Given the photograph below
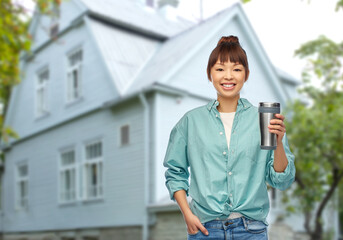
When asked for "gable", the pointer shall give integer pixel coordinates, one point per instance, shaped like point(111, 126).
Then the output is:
point(181, 61)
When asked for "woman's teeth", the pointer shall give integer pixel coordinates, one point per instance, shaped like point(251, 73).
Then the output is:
point(228, 85)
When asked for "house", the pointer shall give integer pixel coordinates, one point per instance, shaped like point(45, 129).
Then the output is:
point(100, 93)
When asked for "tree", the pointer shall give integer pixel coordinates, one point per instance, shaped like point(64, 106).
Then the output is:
point(315, 132)
point(14, 39)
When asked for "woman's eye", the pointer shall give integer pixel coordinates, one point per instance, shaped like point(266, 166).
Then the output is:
point(219, 69)
point(238, 70)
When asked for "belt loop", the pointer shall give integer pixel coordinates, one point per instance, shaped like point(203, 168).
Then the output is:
point(244, 222)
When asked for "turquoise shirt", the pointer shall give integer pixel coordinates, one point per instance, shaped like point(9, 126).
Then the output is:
point(222, 179)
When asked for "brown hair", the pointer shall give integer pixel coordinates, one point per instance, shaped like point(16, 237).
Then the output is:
point(228, 47)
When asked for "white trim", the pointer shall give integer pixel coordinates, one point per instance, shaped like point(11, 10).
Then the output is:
point(61, 169)
point(16, 187)
point(69, 90)
point(99, 161)
point(45, 87)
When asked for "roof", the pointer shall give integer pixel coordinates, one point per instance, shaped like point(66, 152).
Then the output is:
point(123, 52)
point(131, 14)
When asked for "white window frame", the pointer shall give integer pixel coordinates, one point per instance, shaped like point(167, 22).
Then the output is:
point(74, 94)
point(62, 170)
point(41, 103)
point(21, 204)
point(98, 161)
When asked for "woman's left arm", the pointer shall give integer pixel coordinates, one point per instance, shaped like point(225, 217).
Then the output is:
point(278, 127)
point(280, 169)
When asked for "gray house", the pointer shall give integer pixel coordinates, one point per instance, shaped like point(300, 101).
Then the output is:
point(100, 93)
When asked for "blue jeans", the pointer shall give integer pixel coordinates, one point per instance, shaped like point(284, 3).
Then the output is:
point(239, 228)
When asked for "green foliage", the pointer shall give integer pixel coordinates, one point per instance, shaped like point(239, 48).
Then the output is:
point(339, 5)
point(14, 39)
point(315, 130)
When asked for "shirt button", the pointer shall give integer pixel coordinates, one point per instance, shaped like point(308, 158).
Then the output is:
point(230, 173)
point(224, 153)
point(221, 133)
point(230, 205)
point(230, 194)
point(216, 115)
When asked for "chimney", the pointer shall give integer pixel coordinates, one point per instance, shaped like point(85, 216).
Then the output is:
point(162, 3)
point(168, 9)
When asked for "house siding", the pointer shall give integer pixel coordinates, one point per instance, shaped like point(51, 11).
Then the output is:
point(123, 201)
point(96, 86)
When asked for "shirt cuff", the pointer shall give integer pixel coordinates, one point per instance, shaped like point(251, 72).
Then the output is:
point(280, 177)
point(175, 186)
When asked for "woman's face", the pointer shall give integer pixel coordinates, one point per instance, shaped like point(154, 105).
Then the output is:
point(228, 79)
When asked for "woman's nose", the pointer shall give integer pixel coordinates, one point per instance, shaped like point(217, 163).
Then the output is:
point(228, 75)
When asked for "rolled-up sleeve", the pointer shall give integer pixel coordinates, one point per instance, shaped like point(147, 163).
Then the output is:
point(176, 163)
point(281, 180)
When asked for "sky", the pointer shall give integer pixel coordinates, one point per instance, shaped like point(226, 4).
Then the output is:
point(281, 25)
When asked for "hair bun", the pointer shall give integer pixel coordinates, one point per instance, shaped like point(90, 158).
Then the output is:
point(229, 39)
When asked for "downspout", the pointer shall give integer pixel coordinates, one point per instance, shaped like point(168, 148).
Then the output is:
point(145, 232)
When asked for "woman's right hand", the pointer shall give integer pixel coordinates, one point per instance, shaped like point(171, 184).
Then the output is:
point(194, 224)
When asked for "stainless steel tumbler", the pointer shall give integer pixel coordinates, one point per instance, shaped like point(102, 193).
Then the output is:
point(267, 112)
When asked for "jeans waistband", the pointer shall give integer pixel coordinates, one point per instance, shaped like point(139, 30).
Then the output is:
point(225, 224)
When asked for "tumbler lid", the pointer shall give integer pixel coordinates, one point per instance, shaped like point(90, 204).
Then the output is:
point(269, 104)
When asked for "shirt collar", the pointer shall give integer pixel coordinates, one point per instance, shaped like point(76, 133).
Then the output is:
point(242, 103)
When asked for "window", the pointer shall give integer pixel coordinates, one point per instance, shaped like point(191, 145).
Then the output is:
point(124, 135)
point(55, 14)
point(74, 76)
point(54, 31)
point(22, 175)
point(42, 92)
point(68, 176)
point(93, 171)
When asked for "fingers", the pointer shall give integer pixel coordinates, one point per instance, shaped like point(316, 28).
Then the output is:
point(192, 232)
point(196, 228)
point(280, 128)
point(203, 229)
point(278, 124)
point(280, 116)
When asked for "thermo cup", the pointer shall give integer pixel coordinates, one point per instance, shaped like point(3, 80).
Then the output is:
point(267, 111)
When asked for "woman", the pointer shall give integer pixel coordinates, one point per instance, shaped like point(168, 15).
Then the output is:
point(220, 145)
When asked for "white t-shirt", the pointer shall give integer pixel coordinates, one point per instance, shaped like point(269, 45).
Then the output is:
point(227, 119)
